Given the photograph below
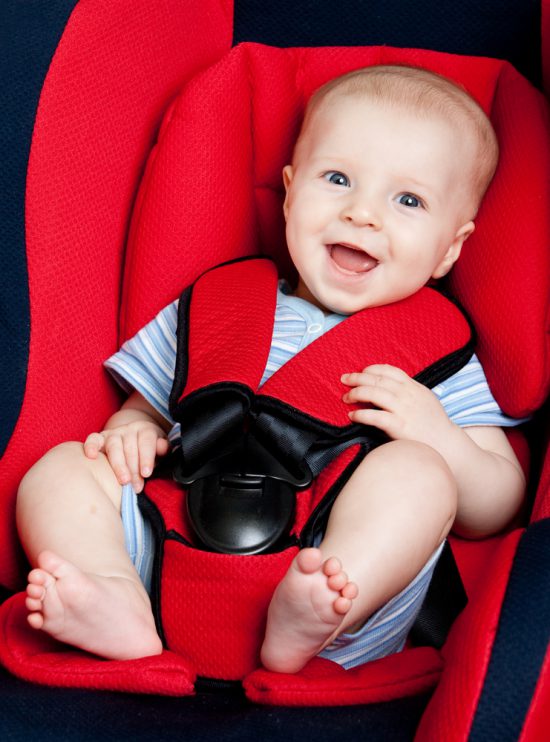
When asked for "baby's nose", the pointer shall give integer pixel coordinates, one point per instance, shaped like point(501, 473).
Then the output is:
point(361, 214)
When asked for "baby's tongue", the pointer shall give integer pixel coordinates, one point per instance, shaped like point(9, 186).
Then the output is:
point(351, 260)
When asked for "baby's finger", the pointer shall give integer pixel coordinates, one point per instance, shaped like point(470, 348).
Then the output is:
point(373, 380)
point(163, 446)
point(131, 454)
point(93, 444)
point(147, 445)
point(386, 371)
point(117, 460)
point(384, 421)
point(354, 379)
point(371, 377)
point(375, 395)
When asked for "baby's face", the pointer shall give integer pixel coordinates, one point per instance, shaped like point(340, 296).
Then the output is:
point(377, 203)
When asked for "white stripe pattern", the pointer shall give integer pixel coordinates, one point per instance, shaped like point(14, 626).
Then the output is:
point(138, 536)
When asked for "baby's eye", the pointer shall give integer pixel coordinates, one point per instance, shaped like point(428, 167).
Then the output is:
point(337, 178)
point(407, 199)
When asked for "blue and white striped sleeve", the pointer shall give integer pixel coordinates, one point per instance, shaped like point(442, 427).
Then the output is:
point(467, 399)
point(147, 361)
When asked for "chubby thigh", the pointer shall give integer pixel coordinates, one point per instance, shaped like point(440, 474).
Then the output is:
point(70, 505)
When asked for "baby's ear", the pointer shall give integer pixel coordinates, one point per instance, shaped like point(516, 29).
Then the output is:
point(453, 251)
point(288, 174)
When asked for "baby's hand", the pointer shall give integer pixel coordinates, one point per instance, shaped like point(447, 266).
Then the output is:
point(403, 408)
point(131, 450)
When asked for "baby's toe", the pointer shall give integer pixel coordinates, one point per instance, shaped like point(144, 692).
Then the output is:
point(35, 620)
point(37, 577)
point(332, 566)
point(342, 605)
point(33, 604)
point(350, 591)
point(308, 560)
point(338, 581)
point(35, 591)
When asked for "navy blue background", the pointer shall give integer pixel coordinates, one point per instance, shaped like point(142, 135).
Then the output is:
point(507, 29)
point(29, 33)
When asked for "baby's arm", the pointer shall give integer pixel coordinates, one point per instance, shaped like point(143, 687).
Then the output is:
point(133, 437)
point(491, 484)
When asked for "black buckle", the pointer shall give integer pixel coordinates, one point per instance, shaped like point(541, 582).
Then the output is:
point(243, 501)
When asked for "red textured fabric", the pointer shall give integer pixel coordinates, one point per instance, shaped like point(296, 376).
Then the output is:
point(307, 500)
point(167, 494)
point(324, 683)
point(219, 629)
point(466, 654)
point(469, 556)
point(410, 334)
point(37, 658)
point(99, 111)
point(510, 305)
point(217, 304)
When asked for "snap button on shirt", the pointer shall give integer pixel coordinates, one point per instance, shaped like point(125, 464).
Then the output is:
point(315, 327)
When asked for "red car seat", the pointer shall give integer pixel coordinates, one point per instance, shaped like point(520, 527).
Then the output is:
point(80, 321)
point(231, 131)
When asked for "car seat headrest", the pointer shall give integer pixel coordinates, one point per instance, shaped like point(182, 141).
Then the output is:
point(212, 191)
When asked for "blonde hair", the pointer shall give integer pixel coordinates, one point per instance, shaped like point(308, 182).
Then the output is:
point(426, 94)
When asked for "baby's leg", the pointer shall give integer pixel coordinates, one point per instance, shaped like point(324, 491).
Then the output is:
point(83, 589)
point(397, 507)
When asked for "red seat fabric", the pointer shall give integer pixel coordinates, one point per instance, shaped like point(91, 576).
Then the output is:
point(211, 192)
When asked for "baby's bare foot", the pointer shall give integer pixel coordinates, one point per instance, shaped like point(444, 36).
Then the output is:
point(108, 616)
point(306, 611)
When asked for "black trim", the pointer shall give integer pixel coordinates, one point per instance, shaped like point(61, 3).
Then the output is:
point(151, 513)
point(445, 599)
point(214, 685)
point(521, 642)
point(445, 367)
point(29, 35)
point(182, 336)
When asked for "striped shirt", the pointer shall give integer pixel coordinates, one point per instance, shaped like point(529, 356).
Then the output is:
point(147, 363)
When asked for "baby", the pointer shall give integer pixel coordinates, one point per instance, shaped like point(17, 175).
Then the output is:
point(386, 178)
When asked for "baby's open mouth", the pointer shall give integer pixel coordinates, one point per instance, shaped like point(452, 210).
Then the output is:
point(351, 258)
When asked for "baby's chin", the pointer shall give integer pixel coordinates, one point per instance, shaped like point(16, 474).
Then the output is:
point(330, 303)
point(345, 307)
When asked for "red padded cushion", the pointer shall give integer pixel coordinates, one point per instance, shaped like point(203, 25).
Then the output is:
point(109, 83)
point(213, 191)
